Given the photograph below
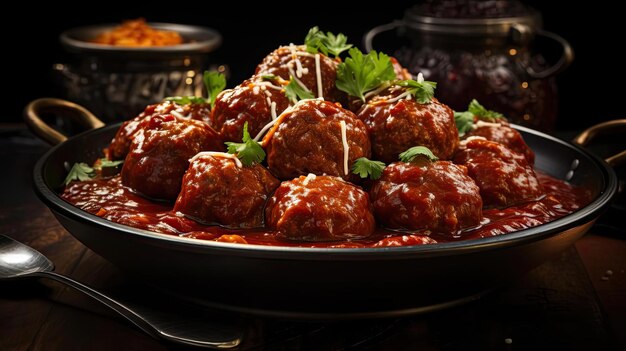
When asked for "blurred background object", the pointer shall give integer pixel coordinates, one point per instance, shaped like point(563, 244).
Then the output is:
point(493, 51)
point(250, 32)
point(116, 82)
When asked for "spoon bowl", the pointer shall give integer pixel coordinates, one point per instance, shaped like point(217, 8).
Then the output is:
point(19, 261)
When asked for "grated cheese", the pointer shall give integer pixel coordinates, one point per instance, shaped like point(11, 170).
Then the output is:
point(420, 78)
point(346, 147)
point(318, 73)
point(308, 178)
point(480, 123)
point(217, 154)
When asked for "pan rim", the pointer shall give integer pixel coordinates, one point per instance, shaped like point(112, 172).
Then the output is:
point(582, 216)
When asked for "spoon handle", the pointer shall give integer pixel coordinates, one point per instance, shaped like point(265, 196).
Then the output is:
point(196, 332)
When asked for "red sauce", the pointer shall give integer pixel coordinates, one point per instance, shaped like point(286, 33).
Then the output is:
point(109, 199)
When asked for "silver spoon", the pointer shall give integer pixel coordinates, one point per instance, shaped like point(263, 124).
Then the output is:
point(21, 261)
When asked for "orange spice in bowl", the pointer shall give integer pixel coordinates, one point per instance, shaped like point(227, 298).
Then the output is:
point(138, 33)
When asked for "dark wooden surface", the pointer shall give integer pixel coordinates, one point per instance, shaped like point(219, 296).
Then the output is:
point(568, 303)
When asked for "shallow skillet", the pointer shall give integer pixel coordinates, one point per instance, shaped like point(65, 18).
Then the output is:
point(318, 282)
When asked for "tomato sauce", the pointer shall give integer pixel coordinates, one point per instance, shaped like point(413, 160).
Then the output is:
point(109, 199)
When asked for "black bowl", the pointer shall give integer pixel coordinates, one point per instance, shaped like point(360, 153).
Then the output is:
point(322, 282)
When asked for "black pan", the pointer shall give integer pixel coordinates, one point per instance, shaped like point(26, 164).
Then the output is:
point(327, 283)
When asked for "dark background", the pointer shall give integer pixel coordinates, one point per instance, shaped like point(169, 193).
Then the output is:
point(252, 31)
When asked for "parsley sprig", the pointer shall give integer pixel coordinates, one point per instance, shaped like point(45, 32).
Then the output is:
point(411, 154)
point(295, 92)
point(326, 43)
point(423, 91)
point(249, 152)
point(465, 120)
point(362, 73)
point(81, 172)
point(365, 168)
point(482, 113)
point(214, 83)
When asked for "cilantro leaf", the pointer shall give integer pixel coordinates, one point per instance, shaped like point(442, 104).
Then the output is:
point(365, 167)
point(464, 121)
point(329, 43)
point(104, 163)
point(295, 92)
point(482, 113)
point(79, 171)
point(249, 152)
point(423, 91)
point(362, 73)
point(214, 82)
point(184, 100)
point(410, 154)
point(269, 77)
point(313, 40)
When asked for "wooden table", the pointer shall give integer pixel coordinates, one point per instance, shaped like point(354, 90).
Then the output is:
point(570, 302)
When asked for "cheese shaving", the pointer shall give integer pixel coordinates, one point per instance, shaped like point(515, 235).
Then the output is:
point(346, 147)
point(217, 154)
point(308, 178)
point(318, 73)
point(480, 123)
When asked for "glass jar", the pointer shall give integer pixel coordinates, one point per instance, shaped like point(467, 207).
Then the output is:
point(495, 57)
point(116, 82)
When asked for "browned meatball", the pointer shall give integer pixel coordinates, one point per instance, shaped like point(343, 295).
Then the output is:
point(217, 188)
point(395, 126)
point(160, 152)
point(319, 208)
point(401, 72)
point(505, 135)
point(254, 101)
point(288, 61)
point(436, 196)
point(121, 142)
point(309, 139)
point(505, 178)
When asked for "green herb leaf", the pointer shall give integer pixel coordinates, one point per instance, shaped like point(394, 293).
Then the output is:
point(365, 167)
point(410, 154)
point(79, 171)
point(482, 113)
point(329, 43)
point(249, 152)
point(269, 77)
point(464, 121)
point(184, 100)
point(295, 92)
point(214, 82)
point(362, 73)
point(423, 91)
point(106, 163)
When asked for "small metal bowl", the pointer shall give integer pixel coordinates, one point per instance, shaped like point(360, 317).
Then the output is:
point(196, 40)
point(117, 82)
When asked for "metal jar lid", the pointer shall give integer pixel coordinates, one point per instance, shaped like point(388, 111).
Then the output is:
point(526, 22)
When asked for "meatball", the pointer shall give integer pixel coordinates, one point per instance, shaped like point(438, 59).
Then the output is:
point(254, 101)
point(436, 196)
point(401, 72)
point(121, 142)
point(218, 189)
point(295, 61)
point(160, 152)
point(396, 125)
point(504, 176)
point(503, 134)
point(321, 208)
point(309, 139)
